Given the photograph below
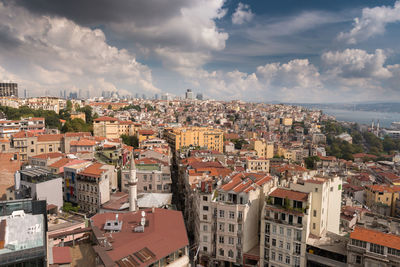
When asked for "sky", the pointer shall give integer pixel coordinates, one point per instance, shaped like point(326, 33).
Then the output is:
point(301, 51)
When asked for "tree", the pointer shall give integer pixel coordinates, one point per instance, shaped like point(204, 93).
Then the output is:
point(130, 140)
point(88, 113)
point(109, 107)
point(76, 125)
point(311, 162)
point(69, 105)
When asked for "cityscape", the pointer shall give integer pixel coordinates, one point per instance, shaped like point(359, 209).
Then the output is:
point(139, 134)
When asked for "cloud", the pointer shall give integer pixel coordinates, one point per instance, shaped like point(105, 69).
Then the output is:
point(372, 22)
point(242, 14)
point(56, 53)
point(357, 63)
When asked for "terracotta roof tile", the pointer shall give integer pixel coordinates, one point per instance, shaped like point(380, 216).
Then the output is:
point(290, 194)
point(376, 237)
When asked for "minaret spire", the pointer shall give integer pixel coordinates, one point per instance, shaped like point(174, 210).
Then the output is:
point(132, 186)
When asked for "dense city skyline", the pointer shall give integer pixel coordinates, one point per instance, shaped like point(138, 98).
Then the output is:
point(250, 50)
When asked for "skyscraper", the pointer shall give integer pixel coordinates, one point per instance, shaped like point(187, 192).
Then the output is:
point(9, 89)
point(189, 94)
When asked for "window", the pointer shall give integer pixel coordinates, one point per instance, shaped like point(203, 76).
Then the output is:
point(273, 242)
point(300, 220)
point(297, 248)
point(231, 228)
point(296, 261)
point(274, 229)
point(240, 215)
point(221, 239)
point(281, 230)
point(331, 188)
point(376, 248)
point(41, 150)
point(239, 240)
point(267, 226)
point(144, 188)
point(280, 244)
point(313, 226)
point(297, 235)
point(266, 240)
point(358, 243)
point(205, 198)
point(357, 259)
point(231, 240)
point(230, 253)
point(159, 187)
point(393, 251)
point(283, 216)
point(221, 227)
point(50, 149)
point(32, 150)
point(287, 260)
point(221, 252)
point(205, 208)
point(205, 249)
point(221, 213)
point(205, 228)
point(315, 213)
point(205, 238)
point(231, 215)
point(280, 257)
point(288, 246)
point(289, 232)
point(266, 253)
point(273, 255)
point(204, 216)
point(316, 189)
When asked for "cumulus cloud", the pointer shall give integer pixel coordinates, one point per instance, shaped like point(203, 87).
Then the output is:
point(57, 53)
point(357, 63)
point(242, 14)
point(372, 22)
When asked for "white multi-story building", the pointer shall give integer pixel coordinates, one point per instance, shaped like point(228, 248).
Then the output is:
point(284, 228)
point(226, 225)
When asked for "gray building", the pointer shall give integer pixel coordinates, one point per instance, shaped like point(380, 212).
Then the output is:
point(9, 89)
point(39, 184)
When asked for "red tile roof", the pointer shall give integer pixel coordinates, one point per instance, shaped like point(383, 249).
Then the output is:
point(105, 118)
point(51, 155)
point(245, 182)
point(61, 255)
point(83, 142)
point(23, 134)
point(290, 194)
point(376, 237)
point(50, 137)
point(165, 233)
point(93, 170)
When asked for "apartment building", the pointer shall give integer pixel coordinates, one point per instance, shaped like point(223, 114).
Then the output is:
point(263, 149)
point(382, 198)
point(110, 127)
point(325, 206)
point(93, 186)
point(10, 127)
point(368, 247)
point(70, 180)
point(284, 228)
point(255, 164)
point(226, 225)
point(29, 144)
point(152, 177)
point(9, 89)
point(209, 138)
point(144, 135)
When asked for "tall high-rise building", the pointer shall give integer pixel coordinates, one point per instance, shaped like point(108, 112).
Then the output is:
point(199, 96)
point(9, 89)
point(189, 94)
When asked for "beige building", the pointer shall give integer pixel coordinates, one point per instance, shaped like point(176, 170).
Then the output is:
point(110, 127)
point(226, 225)
point(255, 164)
point(195, 136)
point(94, 185)
point(263, 149)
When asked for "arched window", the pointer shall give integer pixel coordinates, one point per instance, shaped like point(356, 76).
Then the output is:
point(230, 253)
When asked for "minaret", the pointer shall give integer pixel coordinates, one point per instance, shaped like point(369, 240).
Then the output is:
point(132, 186)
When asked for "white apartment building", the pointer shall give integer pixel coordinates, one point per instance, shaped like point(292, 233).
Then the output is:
point(284, 228)
point(226, 225)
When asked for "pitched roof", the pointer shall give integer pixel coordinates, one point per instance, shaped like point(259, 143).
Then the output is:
point(93, 170)
point(51, 155)
point(290, 194)
point(376, 237)
point(83, 142)
point(245, 182)
point(106, 118)
point(50, 137)
point(165, 233)
point(23, 134)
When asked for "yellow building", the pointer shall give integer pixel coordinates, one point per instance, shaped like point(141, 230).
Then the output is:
point(110, 127)
point(262, 148)
point(380, 196)
point(287, 121)
point(144, 135)
point(78, 115)
point(195, 136)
